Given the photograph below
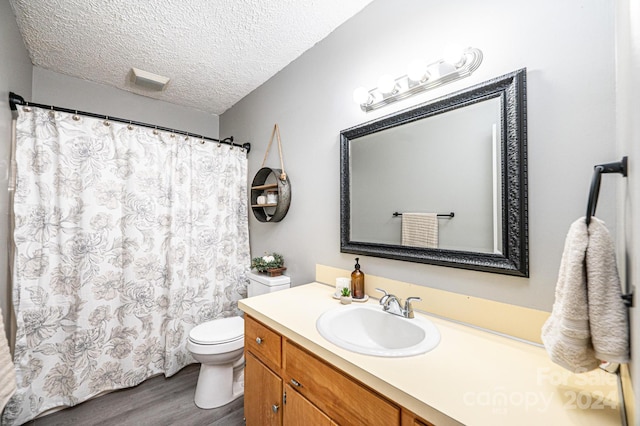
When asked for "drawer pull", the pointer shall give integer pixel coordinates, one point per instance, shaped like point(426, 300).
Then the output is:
point(296, 383)
point(259, 340)
point(274, 408)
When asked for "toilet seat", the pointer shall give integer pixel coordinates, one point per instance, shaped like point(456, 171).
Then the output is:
point(218, 331)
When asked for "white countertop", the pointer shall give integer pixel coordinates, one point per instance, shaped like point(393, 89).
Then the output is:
point(472, 377)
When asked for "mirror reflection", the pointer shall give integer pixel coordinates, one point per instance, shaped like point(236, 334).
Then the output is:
point(403, 176)
point(443, 182)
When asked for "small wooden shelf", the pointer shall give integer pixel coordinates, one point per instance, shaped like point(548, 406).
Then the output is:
point(276, 211)
point(264, 187)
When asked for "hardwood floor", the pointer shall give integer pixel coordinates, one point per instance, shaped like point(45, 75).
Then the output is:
point(157, 401)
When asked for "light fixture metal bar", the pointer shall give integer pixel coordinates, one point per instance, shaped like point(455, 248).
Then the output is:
point(473, 59)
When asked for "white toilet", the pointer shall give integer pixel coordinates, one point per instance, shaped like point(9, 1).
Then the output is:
point(219, 344)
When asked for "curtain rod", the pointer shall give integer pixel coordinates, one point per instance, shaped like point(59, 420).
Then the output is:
point(15, 99)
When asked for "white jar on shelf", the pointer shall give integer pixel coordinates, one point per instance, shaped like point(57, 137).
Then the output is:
point(272, 197)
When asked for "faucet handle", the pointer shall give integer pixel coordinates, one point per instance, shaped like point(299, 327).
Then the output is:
point(382, 290)
point(384, 298)
point(408, 307)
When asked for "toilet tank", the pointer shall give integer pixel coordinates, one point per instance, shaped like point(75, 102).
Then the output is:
point(261, 284)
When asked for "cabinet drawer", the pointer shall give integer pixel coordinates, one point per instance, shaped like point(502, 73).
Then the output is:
point(263, 342)
point(344, 399)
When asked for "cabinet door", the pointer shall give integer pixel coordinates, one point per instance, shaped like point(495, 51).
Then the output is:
point(299, 411)
point(262, 394)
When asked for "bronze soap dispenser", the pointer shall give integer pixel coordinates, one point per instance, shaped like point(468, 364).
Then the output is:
point(357, 282)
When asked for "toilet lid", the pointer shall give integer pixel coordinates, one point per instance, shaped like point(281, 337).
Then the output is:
point(217, 331)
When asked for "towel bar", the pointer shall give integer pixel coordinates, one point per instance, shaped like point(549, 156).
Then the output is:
point(598, 170)
point(449, 215)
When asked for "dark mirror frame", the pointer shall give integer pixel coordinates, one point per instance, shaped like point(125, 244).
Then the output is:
point(514, 259)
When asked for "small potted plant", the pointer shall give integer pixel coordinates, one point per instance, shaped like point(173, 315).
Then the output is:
point(271, 264)
point(345, 296)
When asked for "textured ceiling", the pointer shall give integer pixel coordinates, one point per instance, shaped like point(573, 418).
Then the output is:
point(215, 52)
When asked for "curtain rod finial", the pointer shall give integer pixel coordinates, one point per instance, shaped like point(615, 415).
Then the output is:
point(15, 99)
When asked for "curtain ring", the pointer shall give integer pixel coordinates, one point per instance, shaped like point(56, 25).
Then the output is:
point(75, 116)
point(52, 113)
point(202, 141)
point(231, 148)
point(106, 121)
point(186, 138)
point(172, 135)
point(26, 109)
point(130, 126)
point(155, 130)
point(219, 144)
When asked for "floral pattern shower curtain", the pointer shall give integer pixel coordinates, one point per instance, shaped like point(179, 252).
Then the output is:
point(126, 238)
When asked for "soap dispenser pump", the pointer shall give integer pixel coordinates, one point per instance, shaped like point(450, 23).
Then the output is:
point(357, 282)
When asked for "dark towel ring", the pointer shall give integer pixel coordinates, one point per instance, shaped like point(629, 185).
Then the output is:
point(617, 167)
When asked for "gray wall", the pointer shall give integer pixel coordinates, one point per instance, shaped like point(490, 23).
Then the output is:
point(15, 76)
point(52, 88)
point(571, 125)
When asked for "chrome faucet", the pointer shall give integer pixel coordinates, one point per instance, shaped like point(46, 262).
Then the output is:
point(390, 303)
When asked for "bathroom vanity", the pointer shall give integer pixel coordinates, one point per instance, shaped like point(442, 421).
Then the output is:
point(315, 392)
point(472, 377)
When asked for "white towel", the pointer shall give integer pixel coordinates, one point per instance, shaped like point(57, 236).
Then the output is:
point(588, 323)
point(420, 229)
point(7, 372)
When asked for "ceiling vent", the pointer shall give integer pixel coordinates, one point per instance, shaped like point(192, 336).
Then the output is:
point(148, 80)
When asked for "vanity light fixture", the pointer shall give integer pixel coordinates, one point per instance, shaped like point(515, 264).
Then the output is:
point(420, 77)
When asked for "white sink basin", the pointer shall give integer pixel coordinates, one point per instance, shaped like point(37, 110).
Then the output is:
point(368, 330)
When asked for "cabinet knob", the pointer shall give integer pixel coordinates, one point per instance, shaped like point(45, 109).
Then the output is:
point(274, 408)
point(258, 340)
point(296, 383)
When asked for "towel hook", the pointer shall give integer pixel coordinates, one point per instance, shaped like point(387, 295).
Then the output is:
point(598, 170)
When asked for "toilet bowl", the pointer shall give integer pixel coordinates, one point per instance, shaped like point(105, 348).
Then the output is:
point(218, 345)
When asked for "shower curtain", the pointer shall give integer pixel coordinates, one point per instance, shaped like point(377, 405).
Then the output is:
point(125, 239)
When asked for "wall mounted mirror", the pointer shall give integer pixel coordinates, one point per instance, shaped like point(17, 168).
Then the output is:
point(461, 158)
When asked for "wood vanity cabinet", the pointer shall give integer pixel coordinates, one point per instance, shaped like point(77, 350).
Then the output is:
point(287, 385)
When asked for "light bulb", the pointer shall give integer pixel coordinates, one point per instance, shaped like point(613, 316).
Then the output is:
point(361, 96)
point(434, 71)
point(417, 70)
point(453, 54)
point(386, 84)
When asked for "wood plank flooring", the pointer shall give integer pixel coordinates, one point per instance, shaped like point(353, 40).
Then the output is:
point(157, 401)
